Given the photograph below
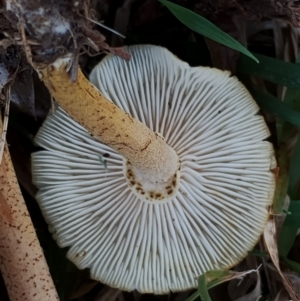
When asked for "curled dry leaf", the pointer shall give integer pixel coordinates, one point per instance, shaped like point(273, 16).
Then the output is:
point(271, 245)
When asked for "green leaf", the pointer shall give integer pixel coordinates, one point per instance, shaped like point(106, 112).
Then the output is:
point(286, 130)
point(272, 70)
point(204, 27)
point(294, 174)
point(293, 265)
point(273, 105)
point(292, 97)
point(258, 253)
point(213, 278)
point(293, 219)
point(202, 288)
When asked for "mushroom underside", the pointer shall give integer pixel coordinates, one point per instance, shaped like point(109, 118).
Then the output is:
point(224, 192)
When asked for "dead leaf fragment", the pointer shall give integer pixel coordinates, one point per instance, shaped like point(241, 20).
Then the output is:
point(271, 245)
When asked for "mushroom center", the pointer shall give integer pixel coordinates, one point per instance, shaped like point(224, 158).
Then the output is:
point(148, 190)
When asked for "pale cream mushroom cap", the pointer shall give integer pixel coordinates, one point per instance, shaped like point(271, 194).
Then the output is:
point(225, 185)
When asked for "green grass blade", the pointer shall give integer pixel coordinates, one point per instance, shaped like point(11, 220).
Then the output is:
point(202, 288)
point(211, 279)
point(273, 105)
point(272, 70)
point(193, 297)
point(202, 26)
point(294, 174)
point(258, 253)
point(293, 218)
point(292, 97)
point(293, 265)
point(214, 278)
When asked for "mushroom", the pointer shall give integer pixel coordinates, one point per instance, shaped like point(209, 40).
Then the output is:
point(130, 233)
point(23, 265)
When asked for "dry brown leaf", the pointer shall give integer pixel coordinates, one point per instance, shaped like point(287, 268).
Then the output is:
point(271, 245)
